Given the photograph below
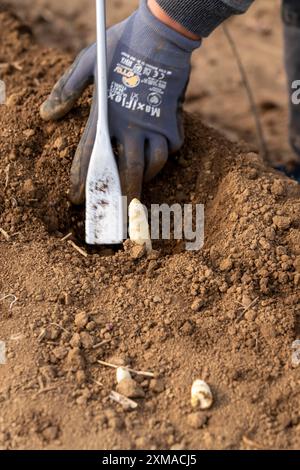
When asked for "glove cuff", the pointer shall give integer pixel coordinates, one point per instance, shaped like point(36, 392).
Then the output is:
point(164, 31)
point(201, 17)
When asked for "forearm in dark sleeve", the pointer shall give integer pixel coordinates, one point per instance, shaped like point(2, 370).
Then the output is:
point(201, 17)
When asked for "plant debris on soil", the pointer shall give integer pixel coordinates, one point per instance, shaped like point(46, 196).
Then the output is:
point(227, 314)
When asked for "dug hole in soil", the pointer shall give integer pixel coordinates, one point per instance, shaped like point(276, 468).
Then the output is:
point(227, 314)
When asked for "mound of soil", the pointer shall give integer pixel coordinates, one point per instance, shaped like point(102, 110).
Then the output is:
point(227, 314)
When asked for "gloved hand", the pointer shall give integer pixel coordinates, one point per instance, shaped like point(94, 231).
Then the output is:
point(149, 68)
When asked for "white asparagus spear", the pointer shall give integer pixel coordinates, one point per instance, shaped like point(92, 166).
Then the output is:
point(139, 232)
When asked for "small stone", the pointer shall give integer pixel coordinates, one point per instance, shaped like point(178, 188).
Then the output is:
point(226, 264)
point(67, 299)
point(50, 128)
point(137, 251)
point(60, 143)
point(197, 305)
point(252, 173)
point(278, 188)
point(91, 326)
point(296, 353)
point(130, 389)
point(75, 360)
point(251, 315)
point(87, 340)
point(60, 352)
point(157, 385)
point(154, 255)
point(81, 320)
point(64, 153)
point(282, 222)
point(264, 244)
point(12, 156)
point(29, 188)
point(297, 264)
point(14, 99)
point(144, 383)
point(84, 397)
point(187, 328)
point(51, 433)
point(233, 217)
point(246, 301)
point(52, 333)
point(75, 341)
point(82, 400)
point(80, 377)
point(29, 133)
point(152, 266)
point(197, 420)
point(270, 234)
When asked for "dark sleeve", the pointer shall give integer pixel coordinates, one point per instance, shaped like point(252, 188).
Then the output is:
point(201, 17)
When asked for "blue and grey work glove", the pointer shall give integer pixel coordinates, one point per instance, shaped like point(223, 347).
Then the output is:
point(149, 68)
point(291, 19)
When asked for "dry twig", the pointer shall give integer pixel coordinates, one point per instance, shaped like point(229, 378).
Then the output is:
point(248, 308)
point(7, 296)
point(5, 234)
point(100, 384)
point(45, 390)
point(77, 248)
point(98, 345)
point(7, 176)
point(17, 66)
point(64, 239)
point(60, 327)
point(136, 372)
point(122, 400)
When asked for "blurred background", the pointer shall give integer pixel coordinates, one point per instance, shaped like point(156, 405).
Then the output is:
point(216, 90)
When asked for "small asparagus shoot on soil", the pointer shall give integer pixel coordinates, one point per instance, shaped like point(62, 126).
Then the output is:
point(139, 232)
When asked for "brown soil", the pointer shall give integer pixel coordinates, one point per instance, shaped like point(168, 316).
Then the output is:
point(227, 314)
